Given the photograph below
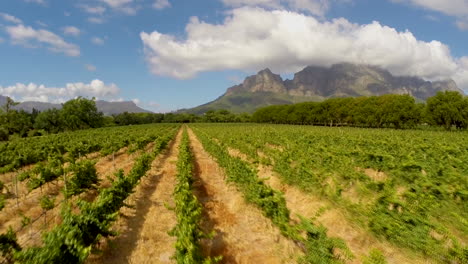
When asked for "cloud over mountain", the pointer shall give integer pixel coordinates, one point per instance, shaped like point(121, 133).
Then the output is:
point(254, 38)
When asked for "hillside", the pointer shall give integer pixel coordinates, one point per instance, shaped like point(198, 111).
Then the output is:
point(315, 83)
point(108, 108)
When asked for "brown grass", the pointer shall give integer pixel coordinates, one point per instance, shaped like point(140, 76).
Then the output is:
point(242, 233)
point(375, 175)
point(143, 229)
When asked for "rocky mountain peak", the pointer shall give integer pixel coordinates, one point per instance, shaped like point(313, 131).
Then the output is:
point(263, 81)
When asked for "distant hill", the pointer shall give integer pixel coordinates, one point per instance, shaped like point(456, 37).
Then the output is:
point(108, 108)
point(315, 83)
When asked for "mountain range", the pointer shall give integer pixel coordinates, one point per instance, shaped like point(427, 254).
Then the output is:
point(108, 108)
point(315, 83)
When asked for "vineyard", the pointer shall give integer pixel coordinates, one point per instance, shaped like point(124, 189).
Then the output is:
point(235, 193)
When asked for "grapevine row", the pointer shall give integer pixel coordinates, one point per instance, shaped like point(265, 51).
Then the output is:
point(72, 241)
point(318, 247)
point(422, 190)
point(188, 210)
point(25, 151)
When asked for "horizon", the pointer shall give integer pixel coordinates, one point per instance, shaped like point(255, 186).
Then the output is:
point(166, 55)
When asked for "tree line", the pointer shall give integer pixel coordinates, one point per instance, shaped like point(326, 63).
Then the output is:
point(79, 113)
point(82, 113)
point(447, 109)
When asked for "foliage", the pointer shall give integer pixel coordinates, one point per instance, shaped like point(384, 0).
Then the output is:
point(8, 245)
point(126, 118)
point(24, 151)
point(319, 247)
point(375, 257)
point(44, 172)
point(2, 201)
point(47, 203)
point(188, 210)
point(398, 111)
point(73, 239)
point(80, 113)
point(50, 121)
point(448, 109)
point(84, 176)
point(418, 201)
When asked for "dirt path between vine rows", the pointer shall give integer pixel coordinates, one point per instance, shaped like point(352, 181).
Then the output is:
point(359, 241)
point(242, 233)
point(143, 230)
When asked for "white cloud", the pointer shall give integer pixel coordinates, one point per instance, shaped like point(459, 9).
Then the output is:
point(250, 39)
point(124, 6)
point(95, 10)
point(29, 37)
point(71, 31)
point(90, 67)
point(455, 8)
point(316, 7)
point(35, 92)
point(117, 3)
point(451, 8)
point(10, 18)
point(136, 101)
point(96, 20)
point(41, 2)
point(161, 4)
point(97, 41)
point(461, 76)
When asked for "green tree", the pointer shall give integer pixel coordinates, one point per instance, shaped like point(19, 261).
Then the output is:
point(49, 120)
point(81, 113)
point(18, 122)
point(447, 109)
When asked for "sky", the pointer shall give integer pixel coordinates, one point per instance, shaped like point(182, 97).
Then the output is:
point(170, 54)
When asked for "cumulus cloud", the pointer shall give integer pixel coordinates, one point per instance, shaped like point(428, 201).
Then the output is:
point(316, 7)
point(123, 6)
point(97, 41)
point(41, 2)
point(95, 10)
point(161, 4)
point(41, 93)
point(71, 31)
point(30, 37)
point(455, 8)
point(452, 7)
point(10, 18)
point(250, 39)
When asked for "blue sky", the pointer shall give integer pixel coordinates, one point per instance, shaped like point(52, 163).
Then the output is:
point(171, 54)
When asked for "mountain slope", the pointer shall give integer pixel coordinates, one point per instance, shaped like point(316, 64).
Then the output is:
point(315, 83)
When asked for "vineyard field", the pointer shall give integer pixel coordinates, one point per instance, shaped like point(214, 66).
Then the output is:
point(235, 193)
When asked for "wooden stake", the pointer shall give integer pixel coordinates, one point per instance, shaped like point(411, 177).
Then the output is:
point(16, 188)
